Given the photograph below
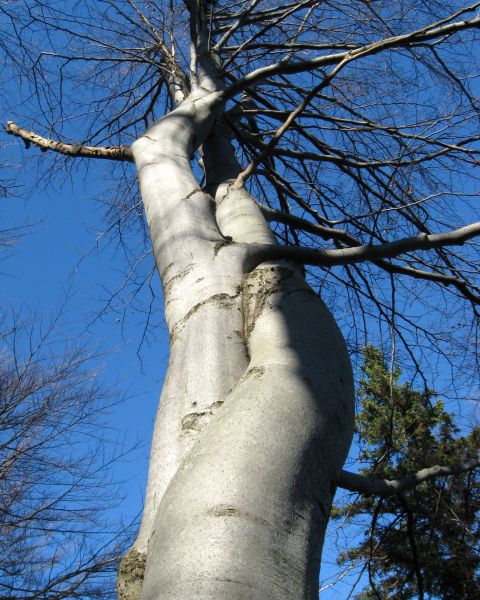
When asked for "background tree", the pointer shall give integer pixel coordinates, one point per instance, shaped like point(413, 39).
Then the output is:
point(352, 129)
point(56, 454)
point(425, 541)
point(55, 538)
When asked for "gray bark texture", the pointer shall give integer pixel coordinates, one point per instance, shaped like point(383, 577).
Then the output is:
point(256, 413)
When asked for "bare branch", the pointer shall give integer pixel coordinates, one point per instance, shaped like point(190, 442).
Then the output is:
point(242, 177)
point(366, 252)
point(390, 487)
point(438, 30)
point(121, 153)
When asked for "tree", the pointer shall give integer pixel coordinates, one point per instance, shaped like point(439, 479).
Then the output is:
point(350, 128)
point(424, 541)
point(55, 539)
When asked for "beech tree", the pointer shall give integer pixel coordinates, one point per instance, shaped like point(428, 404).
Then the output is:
point(287, 156)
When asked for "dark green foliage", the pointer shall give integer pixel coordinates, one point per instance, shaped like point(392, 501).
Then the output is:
point(425, 543)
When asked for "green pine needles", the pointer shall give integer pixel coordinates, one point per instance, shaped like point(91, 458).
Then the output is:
point(423, 543)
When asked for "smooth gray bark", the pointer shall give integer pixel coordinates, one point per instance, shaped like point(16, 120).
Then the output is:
point(256, 414)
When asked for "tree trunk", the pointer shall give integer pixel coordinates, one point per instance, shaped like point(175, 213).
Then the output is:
point(256, 414)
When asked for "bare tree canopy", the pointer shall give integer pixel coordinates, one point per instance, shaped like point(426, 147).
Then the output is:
point(269, 137)
point(360, 117)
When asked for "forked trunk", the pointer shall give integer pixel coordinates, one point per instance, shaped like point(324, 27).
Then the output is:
point(256, 414)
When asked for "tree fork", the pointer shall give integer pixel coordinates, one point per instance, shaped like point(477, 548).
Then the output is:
point(275, 325)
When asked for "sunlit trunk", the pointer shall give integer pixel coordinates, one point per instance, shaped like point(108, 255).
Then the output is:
point(256, 414)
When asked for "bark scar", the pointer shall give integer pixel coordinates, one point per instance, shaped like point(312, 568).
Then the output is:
point(258, 287)
point(221, 300)
point(227, 240)
point(192, 193)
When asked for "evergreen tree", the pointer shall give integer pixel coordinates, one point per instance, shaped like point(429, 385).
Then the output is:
point(423, 543)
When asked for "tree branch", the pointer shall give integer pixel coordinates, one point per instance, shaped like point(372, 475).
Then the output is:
point(365, 252)
point(356, 253)
point(322, 231)
point(177, 81)
point(340, 235)
point(413, 546)
point(121, 153)
point(274, 140)
point(390, 487)
point(440, 29)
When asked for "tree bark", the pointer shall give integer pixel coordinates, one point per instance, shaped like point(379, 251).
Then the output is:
point(256, 414)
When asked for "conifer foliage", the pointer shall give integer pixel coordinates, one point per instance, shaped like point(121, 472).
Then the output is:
point(423, 543)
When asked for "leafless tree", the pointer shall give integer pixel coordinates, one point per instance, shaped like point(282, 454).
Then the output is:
point(340, 136)
point(55, 539)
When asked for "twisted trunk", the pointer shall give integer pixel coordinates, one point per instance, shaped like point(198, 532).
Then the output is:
point(256, 414)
